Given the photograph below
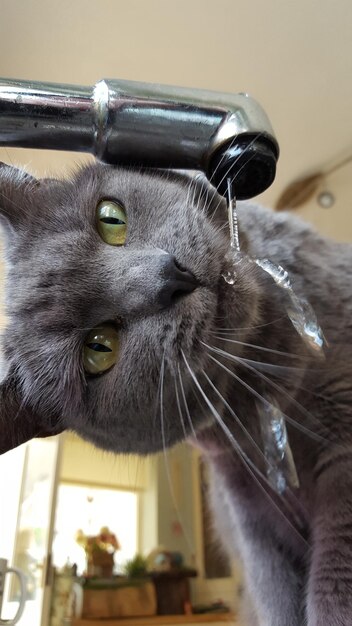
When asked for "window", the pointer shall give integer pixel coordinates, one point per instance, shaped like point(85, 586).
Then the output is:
point(89, 509)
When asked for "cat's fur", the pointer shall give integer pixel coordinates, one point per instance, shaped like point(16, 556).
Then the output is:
point(63, 280)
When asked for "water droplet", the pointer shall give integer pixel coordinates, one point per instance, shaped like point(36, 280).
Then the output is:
point(298, 309)
point(229, 277)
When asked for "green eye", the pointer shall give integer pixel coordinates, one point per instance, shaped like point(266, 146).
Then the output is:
point(100, 350)
point(112, 222)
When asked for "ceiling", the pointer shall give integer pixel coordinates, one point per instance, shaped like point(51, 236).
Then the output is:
point(293, 56)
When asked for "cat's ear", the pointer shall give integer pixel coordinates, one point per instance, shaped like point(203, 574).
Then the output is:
point(18, 422)
point(16, 186)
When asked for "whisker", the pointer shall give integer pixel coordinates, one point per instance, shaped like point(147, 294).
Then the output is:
point(17, 206)
point(213, 410)
point(273, 368)
point(241, 328)
point(206, 201)
point(263, 349)
point(161, 396)
point(215, 191)
point(257, 136)
point(288, 491)
point(272, 384)
point(179, 410)
point(294, 423)
point(194, 184)
point(185, 402)
point(167, 468)
point(8, 156)
point(190, 185)
point(200, 199)
point(235, 416)
point(247, 462)
point(222, 158)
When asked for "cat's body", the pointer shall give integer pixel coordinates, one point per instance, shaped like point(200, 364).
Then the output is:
point(175, 313)
point(290, 573)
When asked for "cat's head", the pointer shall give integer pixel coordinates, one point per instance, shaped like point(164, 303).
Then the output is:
point(153, 302)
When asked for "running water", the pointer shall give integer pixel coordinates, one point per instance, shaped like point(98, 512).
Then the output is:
point(298, 310)
point(281, 469)
point(233, 256)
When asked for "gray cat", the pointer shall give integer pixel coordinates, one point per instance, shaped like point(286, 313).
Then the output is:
point(122, 329)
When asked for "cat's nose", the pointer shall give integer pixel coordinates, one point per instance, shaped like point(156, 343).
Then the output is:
point(177, 281)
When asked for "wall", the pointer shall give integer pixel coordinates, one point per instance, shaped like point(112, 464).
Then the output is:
point(176, 523)
point(335, 222)
point(82, 462)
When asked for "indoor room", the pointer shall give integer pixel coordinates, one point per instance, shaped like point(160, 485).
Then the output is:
point(135, 530)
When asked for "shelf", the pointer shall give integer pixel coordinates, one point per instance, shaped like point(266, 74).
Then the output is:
point(162, 620)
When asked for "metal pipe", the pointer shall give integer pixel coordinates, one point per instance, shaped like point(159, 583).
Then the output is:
point(131, 123)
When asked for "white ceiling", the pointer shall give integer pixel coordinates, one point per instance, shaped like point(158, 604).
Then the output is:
point(293, 56)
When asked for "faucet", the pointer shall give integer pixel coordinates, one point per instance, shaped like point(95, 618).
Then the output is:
point(227, 136)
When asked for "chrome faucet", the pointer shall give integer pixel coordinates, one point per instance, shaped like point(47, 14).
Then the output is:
point(228, 137)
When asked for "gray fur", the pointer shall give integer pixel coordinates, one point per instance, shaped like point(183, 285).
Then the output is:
point(63, 280)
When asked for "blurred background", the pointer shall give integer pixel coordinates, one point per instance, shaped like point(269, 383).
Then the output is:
point(295, 58)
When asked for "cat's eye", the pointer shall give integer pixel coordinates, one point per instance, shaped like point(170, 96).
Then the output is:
point(100, 350)
point(112, 222)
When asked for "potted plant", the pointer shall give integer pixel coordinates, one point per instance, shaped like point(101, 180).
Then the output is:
point(100, 550)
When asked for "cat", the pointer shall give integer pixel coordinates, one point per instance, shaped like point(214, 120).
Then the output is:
point(122, 329)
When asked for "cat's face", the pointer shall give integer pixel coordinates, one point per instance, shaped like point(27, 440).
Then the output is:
point(162, 291)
